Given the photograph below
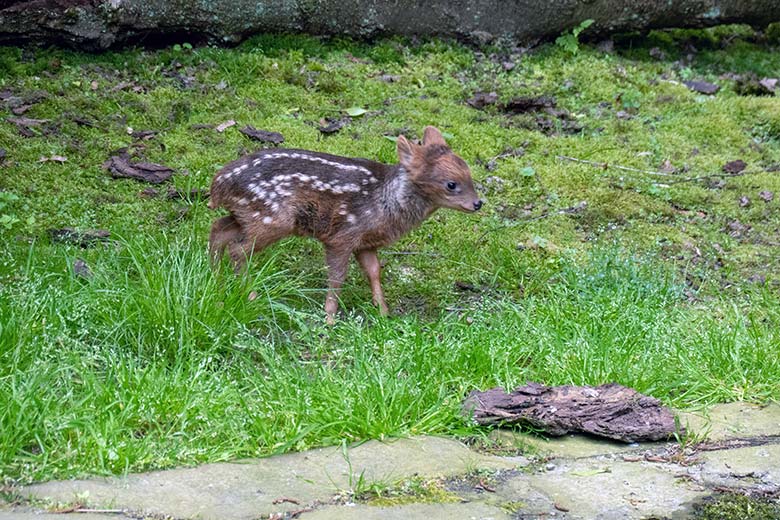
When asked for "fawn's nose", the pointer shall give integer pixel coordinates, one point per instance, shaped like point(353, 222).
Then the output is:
point(477, 205)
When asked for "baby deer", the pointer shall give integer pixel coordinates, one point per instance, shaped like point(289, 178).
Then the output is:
point(352, 206)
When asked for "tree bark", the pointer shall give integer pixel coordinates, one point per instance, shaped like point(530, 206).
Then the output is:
point(99, 24)
point(611, 411)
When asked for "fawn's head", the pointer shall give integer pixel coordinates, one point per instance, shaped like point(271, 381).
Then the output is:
point(440, 174)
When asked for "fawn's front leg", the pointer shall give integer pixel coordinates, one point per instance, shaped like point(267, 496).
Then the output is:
point(338, 263)
point(371, 267)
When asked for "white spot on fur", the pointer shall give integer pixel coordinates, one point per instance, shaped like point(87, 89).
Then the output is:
point(267, 220)
point(256, 214)
point(351, 218)
point(243, 201)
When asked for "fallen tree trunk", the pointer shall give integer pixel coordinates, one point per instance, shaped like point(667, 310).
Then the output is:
point(98, 24)
point(611, 411)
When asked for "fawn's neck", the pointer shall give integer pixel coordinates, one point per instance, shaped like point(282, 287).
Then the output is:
point(403, 205)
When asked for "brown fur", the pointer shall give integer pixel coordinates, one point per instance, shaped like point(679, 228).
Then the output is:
point(351, 205)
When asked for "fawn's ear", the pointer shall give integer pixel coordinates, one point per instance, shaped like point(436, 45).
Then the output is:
point(406, 151)
point(433, 136)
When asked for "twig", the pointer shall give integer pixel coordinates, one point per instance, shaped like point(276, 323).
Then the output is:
point(404, 253)
point(712, 176)
point(101, 511)
point(285, 499)
point(605, 166)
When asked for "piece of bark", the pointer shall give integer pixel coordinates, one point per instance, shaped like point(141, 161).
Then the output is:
point(194, 193)
point(331, 125)
point(263, 136)
point(83, 239)
point(482, 99)
point(610, 410)
point(120, 166)
point(702, 87)
point(520, 105)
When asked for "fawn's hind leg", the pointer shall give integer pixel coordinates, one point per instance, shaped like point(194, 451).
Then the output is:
point(253, 240)
point(338, 263)
point(224, 231)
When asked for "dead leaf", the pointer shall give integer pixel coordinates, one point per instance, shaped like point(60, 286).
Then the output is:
point(466, 287)
point(23, 124)
point(769, 83)
point(702, 87)
point(21, 109)
point(224, 126)
point(280, 500)
point(54, 158)
point(522, 104)
point(81, 269)
point(744, 202)
point(737, 229)
point(657, 53)
point(333, 125)
point(667, 167)
point(93, 85)
point(482, 99)
point(751, 85)
point(263, 136)
point(766, 195)
point(82, 121)
point(389, 78)
point(143, 135)
point(174, 194)
point(148, 193)
point(734, 166)
point(83, 239)
point(485, 486)
point(120, 166)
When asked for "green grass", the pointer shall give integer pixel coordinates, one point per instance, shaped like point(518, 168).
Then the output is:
point(157, 360)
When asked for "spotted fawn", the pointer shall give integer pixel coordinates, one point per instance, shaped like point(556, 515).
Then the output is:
point(351, 205)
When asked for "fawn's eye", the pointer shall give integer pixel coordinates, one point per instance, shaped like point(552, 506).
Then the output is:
point(452, 185)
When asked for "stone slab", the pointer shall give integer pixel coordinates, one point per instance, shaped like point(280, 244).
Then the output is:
point(609, 488)
point(247, 490)
point(734, 420)
point(755, 466)
point(464, 511)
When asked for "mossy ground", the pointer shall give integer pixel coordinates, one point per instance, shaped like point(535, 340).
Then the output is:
point(660, 282)
point(737, 507)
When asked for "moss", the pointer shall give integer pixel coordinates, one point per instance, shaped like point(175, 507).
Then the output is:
point(737, 507)
point(411, 491)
